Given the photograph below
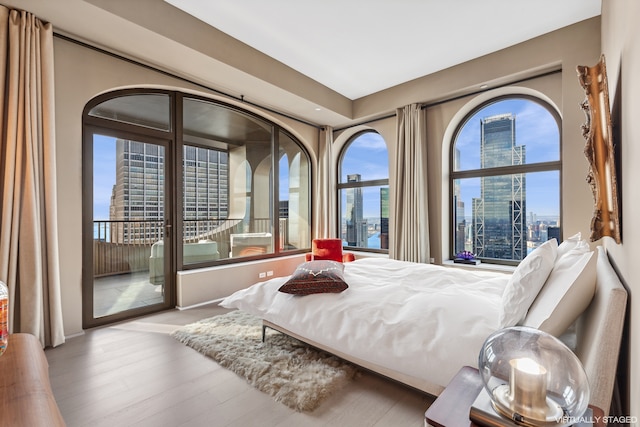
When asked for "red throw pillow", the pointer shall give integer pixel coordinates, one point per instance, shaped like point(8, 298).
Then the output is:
point(316, 277)
point(327, 249)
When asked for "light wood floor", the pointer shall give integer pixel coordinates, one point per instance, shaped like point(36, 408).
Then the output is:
point(135, 374)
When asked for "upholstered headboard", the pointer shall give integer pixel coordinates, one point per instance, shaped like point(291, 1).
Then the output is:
point(599, 333)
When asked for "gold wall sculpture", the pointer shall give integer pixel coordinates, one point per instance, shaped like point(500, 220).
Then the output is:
point(600, 152)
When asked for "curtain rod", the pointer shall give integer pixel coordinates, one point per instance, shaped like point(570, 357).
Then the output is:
point(388, 116)
point(240, 98)
point(454, 98)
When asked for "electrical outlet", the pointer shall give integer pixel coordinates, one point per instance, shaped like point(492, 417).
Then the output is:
point(269, 273)
point(262, 275)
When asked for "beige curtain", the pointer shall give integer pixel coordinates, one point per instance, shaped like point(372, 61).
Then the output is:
point(324, 202)
point(410, 226)
point(28, 223)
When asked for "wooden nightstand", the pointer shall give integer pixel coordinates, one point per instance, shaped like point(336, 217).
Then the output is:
point(451, 408)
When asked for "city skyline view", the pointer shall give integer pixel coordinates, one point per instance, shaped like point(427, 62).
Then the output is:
point(505, 215)
point(367, 156)
point(537, 130)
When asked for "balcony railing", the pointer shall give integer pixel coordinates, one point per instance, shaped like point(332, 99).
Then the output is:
point(125, 246)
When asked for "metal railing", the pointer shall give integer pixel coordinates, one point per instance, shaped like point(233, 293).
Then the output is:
point(124, 246)
point(121, 246)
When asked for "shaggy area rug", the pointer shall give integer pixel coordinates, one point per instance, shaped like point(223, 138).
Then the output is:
point(294, 373)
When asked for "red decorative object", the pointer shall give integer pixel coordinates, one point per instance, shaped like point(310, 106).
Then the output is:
point(4, 317)
point(328, 249)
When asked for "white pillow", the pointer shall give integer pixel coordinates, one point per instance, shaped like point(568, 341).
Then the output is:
point(525, 283)
point(566, 294)
point(571, 243)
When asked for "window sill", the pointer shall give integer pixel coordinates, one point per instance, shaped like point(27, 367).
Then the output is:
point(482, 266)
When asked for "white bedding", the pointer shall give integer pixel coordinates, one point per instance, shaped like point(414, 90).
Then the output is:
point(421, 320)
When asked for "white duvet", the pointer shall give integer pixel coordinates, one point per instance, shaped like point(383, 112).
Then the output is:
point(421, 320)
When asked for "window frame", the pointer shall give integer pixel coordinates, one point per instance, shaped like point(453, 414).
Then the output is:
point(174, 134)
point(340, 186)
point(554, 165)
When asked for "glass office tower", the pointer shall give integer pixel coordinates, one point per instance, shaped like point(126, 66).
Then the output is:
point(458, 214)
point(499, 214)
point(356, 224)
point(138, 195)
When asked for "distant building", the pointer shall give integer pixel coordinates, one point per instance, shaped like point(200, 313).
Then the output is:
point(458, 214)
point(499, 214)
point(138, 195)
point(553, 232)
point(283, 209)
point(384, 218)
point(357, 234)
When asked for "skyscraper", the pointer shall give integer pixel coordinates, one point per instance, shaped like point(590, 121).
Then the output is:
point(205, 190)
point(138, 196)
point(356, 224)
point(384, 218)
point(499, 214)
point(458, 206)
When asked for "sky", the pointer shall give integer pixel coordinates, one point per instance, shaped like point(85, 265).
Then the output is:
point(368, 156)
point(104, 174)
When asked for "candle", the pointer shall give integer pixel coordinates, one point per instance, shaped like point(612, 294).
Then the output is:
point(528, 388)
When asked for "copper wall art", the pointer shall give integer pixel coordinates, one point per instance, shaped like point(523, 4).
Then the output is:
point(600, 152)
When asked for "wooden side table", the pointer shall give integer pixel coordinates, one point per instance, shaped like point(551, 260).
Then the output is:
point(451, 408)
point(26, 398)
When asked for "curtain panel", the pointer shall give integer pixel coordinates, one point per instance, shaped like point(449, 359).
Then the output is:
point(410, 224)
point(325, 200)
point(29, 262)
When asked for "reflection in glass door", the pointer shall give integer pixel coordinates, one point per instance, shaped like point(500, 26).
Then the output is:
point(128, 226)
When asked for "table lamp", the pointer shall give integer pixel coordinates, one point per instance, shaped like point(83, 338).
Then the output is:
point(532, 378)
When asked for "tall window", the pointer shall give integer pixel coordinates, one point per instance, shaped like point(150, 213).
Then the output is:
point(363, 191)
point(175, 182)
point(505, 179)
point(229, 191)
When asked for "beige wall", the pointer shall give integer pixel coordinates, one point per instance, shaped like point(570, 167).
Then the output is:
point(620, 36)
point(81, 74)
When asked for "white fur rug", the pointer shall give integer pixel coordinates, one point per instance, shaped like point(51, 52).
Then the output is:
point(292, 372)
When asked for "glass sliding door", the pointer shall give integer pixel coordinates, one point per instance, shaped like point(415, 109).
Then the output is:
point(129, 227)
point(128, 257)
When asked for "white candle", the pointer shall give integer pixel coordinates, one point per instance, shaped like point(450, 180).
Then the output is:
point(528, 388)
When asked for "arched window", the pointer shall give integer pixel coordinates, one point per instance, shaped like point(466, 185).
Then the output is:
point(175, 182)
point(505, 179)
point(363, 192)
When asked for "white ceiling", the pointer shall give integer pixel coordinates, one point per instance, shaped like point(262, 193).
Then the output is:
point(359, 47)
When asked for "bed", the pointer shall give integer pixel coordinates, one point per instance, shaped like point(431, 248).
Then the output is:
point(420, 323)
